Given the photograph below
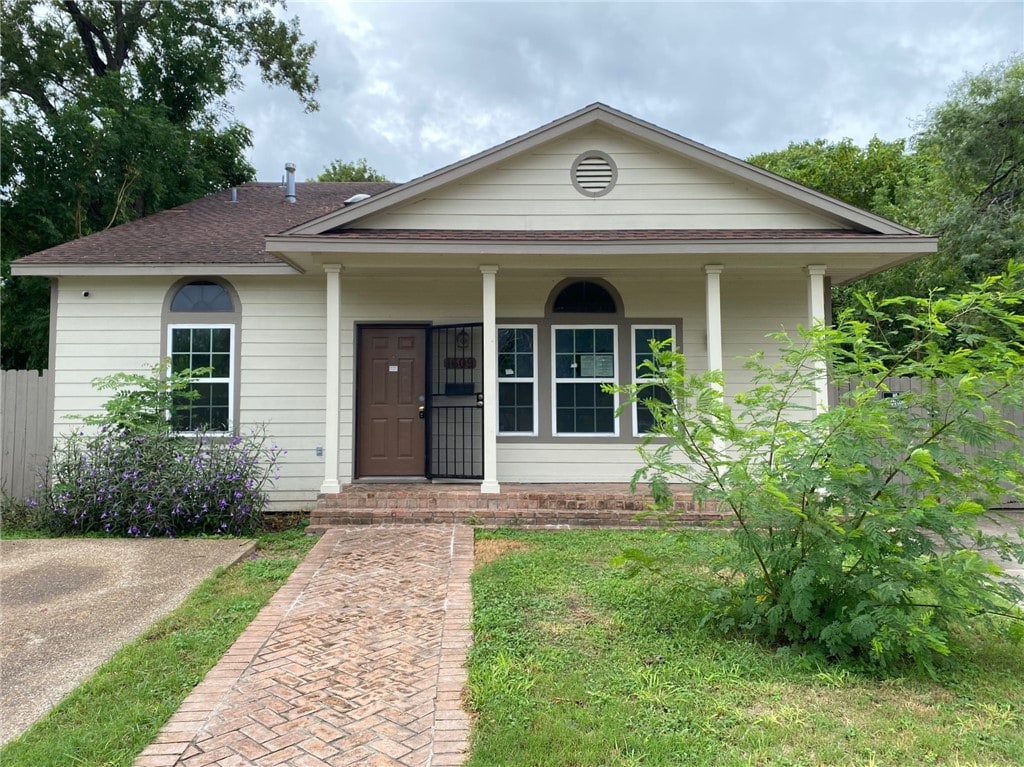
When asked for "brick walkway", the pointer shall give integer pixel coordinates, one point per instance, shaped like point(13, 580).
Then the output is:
point(357, 660)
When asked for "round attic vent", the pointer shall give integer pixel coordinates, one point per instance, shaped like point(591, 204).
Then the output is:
point(594, 173)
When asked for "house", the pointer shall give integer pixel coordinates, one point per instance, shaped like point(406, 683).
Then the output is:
point(460, 326)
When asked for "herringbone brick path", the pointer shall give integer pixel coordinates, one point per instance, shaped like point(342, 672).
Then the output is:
point(358, 660)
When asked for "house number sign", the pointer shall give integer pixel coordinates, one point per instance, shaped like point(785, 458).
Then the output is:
point(459, 363)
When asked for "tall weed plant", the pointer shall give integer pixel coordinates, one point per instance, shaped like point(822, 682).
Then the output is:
point(134, 476)
point(857, 526)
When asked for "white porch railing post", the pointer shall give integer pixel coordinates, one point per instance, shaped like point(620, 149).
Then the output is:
point(490, 481)
point(332, 399)
point(816, 309)
point(713, 289)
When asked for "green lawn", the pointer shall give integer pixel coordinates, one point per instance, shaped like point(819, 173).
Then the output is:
point(576, 664)
point(118, 711)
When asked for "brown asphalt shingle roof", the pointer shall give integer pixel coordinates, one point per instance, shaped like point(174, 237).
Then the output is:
point(209, 230)
point(213, 230)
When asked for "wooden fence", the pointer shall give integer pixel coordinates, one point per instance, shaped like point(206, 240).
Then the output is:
point(26, 427)
point(898, 386)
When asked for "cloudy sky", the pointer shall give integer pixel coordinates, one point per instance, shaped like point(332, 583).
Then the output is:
point(414, 86)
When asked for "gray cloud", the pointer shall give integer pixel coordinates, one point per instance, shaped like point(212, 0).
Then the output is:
point(414, 86)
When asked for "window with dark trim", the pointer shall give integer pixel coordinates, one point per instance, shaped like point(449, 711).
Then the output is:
point(208, 348)
point(517, 380)
point(584, 362)
point(643, 336)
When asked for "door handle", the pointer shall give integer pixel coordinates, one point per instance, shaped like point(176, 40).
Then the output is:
point(479, 399)
point(422, 409)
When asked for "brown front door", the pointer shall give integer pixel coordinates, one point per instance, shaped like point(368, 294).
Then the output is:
point(391, 380)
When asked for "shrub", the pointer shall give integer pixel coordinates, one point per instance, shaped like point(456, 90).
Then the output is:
point(135, 477)
point(857, 526)
point(149, 483)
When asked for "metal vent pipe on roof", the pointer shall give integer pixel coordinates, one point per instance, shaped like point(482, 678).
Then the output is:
point(289, 189)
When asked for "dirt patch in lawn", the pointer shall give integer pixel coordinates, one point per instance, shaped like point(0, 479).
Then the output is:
point(490, 549)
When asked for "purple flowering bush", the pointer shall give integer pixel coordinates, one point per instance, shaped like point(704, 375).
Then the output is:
point(135, 476)
point(147, 483)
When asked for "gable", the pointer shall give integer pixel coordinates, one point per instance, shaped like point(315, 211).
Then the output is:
point(654, 188)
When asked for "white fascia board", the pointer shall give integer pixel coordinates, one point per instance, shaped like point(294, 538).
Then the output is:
point(135, 270)
point(296, 244)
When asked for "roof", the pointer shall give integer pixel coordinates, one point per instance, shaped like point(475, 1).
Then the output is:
point(261, 233)
point(603, 114)
point(211, 229)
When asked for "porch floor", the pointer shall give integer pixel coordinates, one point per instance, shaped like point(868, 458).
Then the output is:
point(517, 505)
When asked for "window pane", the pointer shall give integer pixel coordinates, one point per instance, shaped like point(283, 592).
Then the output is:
point(201, 339)
point(506, 340)
point(604, 340)
point(565, 366)
point(584, 340)
point(644, 416)
point(221, 340)
point(221, 366)
point(524, 340)
point(506, 366)
point(564, 342)
point(181, 340)
point(524, 365)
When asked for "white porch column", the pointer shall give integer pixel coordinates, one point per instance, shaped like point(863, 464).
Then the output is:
point(490, 483)
point(816, 307)
point(713, 290)
point(332, 404)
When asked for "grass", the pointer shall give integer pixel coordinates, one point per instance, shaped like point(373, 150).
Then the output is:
point(118, 711)
point(577, 664)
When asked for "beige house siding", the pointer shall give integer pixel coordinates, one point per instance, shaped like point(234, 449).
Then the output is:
point(282, 337)
point(282, 377)
point(115, 328)
point(655, 190)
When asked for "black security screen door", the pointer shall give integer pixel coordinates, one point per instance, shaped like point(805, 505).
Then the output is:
point(456, 402)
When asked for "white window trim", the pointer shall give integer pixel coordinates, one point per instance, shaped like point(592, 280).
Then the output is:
point(512, 379)
point(230, 380)
point(673, 332)
point(555, 381)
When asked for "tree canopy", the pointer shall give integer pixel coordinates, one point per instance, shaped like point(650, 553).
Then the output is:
point(114, 110)
point(961, 177)
point(358, 170)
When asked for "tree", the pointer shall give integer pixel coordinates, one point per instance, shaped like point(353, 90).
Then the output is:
point(359, 170)
point(878, 178)
point(975, 199)
point(115, 110)
point(856, 528)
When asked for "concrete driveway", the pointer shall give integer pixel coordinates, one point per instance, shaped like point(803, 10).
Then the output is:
point(67, 605)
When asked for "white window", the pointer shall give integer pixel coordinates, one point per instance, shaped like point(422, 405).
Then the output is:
point(643, 418)
point(517, 379)
point(209, 347)
point(584, 361)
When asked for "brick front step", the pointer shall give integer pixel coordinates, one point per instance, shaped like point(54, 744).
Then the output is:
point(527, 506)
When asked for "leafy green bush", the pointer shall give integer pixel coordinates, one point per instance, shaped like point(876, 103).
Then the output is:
point(857, 526)
point(134, 476)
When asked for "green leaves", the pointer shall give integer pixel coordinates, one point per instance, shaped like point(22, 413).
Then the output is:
point(117, 110)
point(855, 526)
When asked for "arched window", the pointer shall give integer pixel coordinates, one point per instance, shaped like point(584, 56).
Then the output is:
point(202, 296)
point(584, 297)
point(584, 358)
point(201, 321)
